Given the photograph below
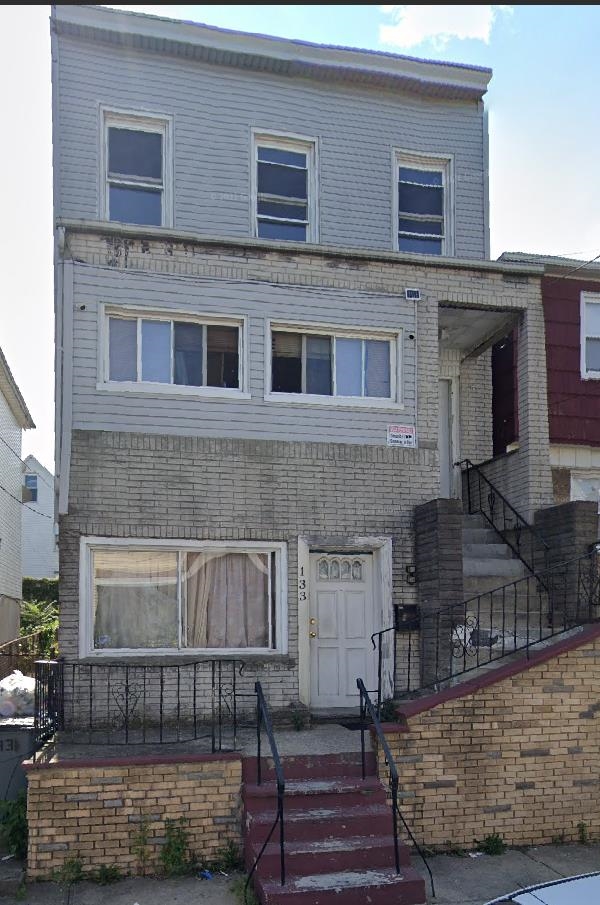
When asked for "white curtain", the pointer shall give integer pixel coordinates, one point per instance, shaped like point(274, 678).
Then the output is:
point(135, 599)
point(227, 600)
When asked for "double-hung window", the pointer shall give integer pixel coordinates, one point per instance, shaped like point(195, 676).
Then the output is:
point(338, 364)
point(284, 195)
point(31, 488)
point(590, 335)
point(182, 596)
point(423, 205)
point(136, 180)
point(176, 351)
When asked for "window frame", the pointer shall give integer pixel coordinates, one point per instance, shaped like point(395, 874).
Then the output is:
point(32, 490)
point(89, 544)
point(442, 163)
point(141, 121)
point(586, 298)
point(394, 336)
point(287, 141)
point(104, 383)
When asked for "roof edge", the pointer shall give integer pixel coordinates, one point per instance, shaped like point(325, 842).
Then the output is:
point(154, 32)
point(13, 395)
point(554, 264)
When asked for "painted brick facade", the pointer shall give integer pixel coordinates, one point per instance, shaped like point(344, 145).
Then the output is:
point(94, 811)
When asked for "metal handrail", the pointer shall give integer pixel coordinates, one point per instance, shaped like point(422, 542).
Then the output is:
point(485, 628)
point(263, 718)
point(379, 635)
point(520, 522)
point(366, 706)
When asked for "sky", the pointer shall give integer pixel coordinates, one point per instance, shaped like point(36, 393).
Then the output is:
point(544, 139)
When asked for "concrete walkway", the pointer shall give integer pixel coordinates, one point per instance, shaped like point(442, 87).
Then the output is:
point(459, 881)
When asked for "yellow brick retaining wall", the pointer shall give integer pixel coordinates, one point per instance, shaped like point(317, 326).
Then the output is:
point(93, 811)
point(514, 752)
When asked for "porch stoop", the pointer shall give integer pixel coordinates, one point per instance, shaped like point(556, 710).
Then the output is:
point(338, 835)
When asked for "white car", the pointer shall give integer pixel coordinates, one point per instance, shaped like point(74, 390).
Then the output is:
point(581, 890)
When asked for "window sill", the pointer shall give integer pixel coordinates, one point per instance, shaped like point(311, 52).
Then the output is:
point(162, 389)
point(169, 655)
point(337, 401)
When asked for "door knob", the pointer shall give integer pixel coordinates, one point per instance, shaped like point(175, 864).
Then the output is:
point(313, 634)
point(313, 621)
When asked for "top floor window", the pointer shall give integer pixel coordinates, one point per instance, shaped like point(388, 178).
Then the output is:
point(285, 202)
point(136, 166)
point(590, 335)
point(423, 205)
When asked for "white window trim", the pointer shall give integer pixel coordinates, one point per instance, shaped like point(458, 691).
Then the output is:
point(593, 298)
point(146, 387)
point(395, 336)
point(444, 163)
point(86, 641)
point(290, 142)
point(144, 122)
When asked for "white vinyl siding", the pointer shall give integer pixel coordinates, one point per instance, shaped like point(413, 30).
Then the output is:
point(165, 409)
point(215, 111)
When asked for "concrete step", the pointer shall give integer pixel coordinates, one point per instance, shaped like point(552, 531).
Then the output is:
point(380, 886)
point(504, 570)
point(473, 585)
point(311, 766)
point(334, 854)
point(480, 536)
point(314, 824)
point(486, 551)
point(315, 793)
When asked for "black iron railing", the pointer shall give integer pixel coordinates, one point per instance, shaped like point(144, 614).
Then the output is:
point(523, 539)
point(366, 707)
point(263, 720)
point(120, 703)
point(464, 636)
point(48, 700)
point(378, 646)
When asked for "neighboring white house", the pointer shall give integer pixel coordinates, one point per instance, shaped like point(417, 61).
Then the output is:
point(40, 549)
point(14, 417)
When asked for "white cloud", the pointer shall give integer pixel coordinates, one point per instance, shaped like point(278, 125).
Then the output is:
point(413, 25)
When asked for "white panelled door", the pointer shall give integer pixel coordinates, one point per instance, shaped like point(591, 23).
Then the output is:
point(342, 620)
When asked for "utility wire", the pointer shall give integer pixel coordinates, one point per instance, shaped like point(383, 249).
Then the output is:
point(16, 498)
point(23, 462)
point(563, 276)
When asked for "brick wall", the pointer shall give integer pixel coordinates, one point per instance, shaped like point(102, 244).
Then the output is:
point(439, 563)
point(140, 486)
point(93, 811)
point(512, 752)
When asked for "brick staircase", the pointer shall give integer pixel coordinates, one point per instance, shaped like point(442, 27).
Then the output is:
point(339, 844)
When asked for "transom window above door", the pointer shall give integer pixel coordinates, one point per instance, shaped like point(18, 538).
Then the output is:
point(423, 207)
point(360, 368)
point(284, 195)
point(160, 351)
point(136, 163)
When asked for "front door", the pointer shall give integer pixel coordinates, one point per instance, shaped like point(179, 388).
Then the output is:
point(342, 620)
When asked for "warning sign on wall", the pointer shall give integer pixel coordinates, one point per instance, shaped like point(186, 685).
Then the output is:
point(401, 435)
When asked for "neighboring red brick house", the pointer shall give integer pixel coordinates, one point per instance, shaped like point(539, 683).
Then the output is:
point(571, 299)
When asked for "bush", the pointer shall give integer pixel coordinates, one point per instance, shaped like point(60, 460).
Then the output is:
point(43, 590)
point(41, 616)
point(13, 824)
